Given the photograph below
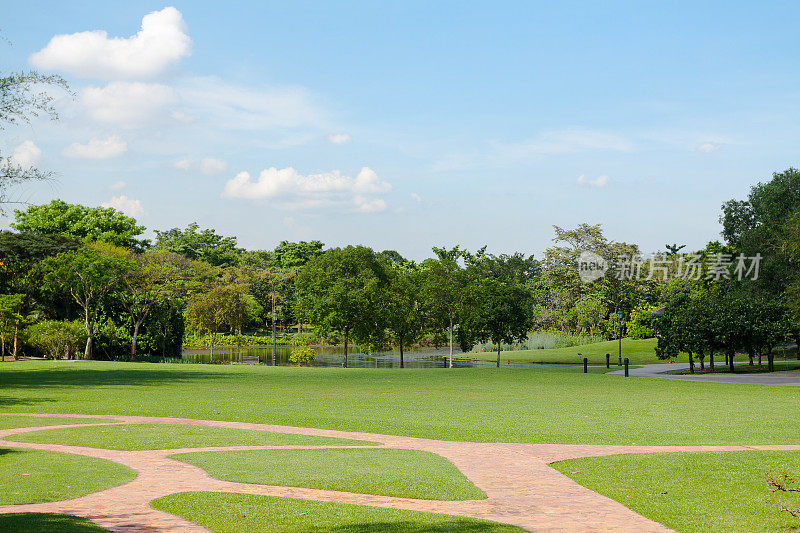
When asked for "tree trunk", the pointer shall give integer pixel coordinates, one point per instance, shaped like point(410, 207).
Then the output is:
point(213, 338)
point(133, 341)
point(702, 358)
point(2, 347)
point(16, 339)
point(450, 365)
point(797, 341)
point(730, 361)
point(691, 363)
point(344, 365)
point(711, 361)
point(751, 355)
point(498, 354)
point(87, 354)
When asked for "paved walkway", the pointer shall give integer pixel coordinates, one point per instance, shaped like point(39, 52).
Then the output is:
point(789, 378)
point(522, 489)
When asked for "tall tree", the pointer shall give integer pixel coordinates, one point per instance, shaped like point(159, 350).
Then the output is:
point(88, 224)
point(202, 245)
point(443, 285)
point(89, 275)
point(404, 306)
point(342, 291)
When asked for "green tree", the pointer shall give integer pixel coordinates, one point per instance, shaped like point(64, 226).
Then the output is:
point(223, 307)
point(88, 224)
point(89, 275)
point(497, 311)
point(202, 245)
point(10, 306)
point(342, 291)
point(404, 306)
point(296, 254)
point(442, 285)
point(147, 280)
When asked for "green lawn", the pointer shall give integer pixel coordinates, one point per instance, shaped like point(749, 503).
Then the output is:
point(167, 436)
point(721, 492)
point(540, 404)
point(722, 368)
point(387, 472)
point(234, 513)
point(17, 421)
point(637, 351)
point(34, 476)
point(49, 522)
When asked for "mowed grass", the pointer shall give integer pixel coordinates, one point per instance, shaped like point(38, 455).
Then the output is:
point(47, 522)
point(34, 476)
point(386, 472)
point(234, 513)
point(19, 421)
point(694, 492)
point(168, 436)
point(540, 404)
point(637, 351)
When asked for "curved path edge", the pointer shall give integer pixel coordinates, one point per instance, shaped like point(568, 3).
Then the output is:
point(521, 488)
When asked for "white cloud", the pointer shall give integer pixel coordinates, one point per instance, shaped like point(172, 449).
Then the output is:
point(416, 197)
point(210, 165)
point(709, 147)
point(159, 45)
point(599, 181)
point(568, 141)
point(367, 205)
point(129, 206)
point(182, 164)
point(26, 155)
point(313, 190)
point(237, 107)
point(339, 138)
point(96, 148)
point(131, 104)
point(117, 185)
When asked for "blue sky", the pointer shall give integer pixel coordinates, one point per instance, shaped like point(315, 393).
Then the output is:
point(405, 125)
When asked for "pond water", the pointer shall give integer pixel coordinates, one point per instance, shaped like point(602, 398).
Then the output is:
point(334, 356)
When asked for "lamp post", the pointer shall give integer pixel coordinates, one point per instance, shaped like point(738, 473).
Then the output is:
point(619, 335)
point(274, 341)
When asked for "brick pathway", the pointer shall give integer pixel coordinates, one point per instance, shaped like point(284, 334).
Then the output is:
point(522, 489)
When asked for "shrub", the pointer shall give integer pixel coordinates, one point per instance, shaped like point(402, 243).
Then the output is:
point(57, 339)
point(303, 355)
point(642, 324)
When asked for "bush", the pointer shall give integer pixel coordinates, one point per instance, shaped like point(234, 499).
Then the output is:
point(303, 355)
point(57, 339)
point(642, 324)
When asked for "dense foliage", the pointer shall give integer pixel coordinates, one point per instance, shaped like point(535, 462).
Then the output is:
point(70, 264)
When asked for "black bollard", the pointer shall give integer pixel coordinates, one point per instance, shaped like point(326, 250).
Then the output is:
point(771, 362)
point(626, 367)
point(608, 360)
point(585, 365)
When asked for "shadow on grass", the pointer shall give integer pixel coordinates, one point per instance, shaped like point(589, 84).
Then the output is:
point(68, 377)
point(47, 522)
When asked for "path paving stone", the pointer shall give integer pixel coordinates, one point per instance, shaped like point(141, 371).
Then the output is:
point(522, 489)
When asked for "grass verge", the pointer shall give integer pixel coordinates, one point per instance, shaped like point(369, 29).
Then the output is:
point(637, 351)
point(35, 476)
point(540, 404)
point(233, 513)
point(168, 436)
point(712, 492)
point(387, 472)
point(19, 421)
